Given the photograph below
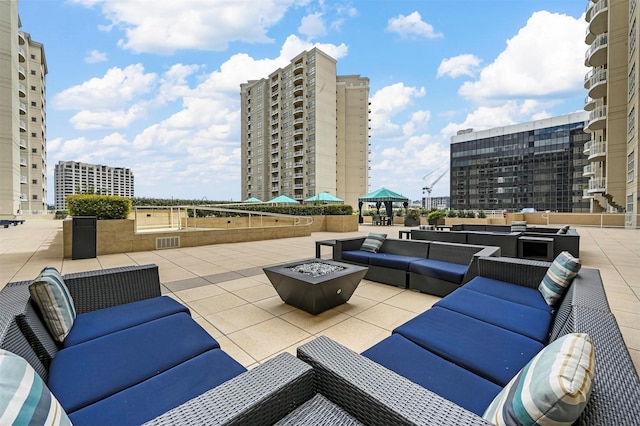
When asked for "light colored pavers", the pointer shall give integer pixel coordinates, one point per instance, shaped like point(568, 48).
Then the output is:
point(232, 299)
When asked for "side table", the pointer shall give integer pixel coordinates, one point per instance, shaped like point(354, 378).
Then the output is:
point(328, 243)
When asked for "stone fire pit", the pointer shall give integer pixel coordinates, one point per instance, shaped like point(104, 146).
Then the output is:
point(315, 285)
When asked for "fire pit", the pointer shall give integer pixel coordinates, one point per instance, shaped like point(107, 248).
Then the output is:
point(315, 285)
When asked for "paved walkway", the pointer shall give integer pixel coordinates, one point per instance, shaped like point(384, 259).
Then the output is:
point(230, 296)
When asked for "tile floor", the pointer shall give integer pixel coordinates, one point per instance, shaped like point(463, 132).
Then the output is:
point(230, 296)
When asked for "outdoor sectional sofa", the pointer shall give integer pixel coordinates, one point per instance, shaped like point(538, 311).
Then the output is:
point(431, 267)
point(446, 365)
point(501, 235)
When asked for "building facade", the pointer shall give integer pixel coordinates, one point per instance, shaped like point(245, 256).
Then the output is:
point(539, 164)
point(71, 177)
point(305, 130)
point(613, 103)
point(23, 118)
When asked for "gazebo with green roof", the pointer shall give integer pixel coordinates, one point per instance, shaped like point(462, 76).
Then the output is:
point(379, 196)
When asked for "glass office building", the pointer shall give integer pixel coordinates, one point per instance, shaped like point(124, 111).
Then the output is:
point(539, 164)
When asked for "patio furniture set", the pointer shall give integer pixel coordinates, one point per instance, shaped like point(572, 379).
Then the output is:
point(537, 243)
point(432, 267)
point(132, 356)
point(6, 222)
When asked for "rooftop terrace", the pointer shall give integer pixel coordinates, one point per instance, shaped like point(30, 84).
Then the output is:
point(230, 296)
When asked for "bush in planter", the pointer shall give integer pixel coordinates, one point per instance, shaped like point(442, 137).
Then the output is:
point(436, 217)
point(412, 218)
point(452, 213)
point(470, 214)
point(102, 206)
point(482, 214)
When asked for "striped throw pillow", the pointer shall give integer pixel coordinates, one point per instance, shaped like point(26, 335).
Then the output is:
point(54, 300)
point(519, 226)
point(553, 388)
point(558, 277)
point(373, 242)
point(24, 398)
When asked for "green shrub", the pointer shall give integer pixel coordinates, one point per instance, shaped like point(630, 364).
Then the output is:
point(482, 214)
point(102, 206)
point(413, 214)
point(436, 215)
point(470, 214)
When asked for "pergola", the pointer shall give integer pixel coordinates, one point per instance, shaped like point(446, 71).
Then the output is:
point(382, 195)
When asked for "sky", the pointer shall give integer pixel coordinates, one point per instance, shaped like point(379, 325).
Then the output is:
point(154, 85)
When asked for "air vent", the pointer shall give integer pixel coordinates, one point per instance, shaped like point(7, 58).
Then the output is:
point(167, 242)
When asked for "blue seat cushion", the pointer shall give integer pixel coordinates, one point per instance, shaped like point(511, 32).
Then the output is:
point(482, 348)
point(358, 256)
point(98, 323)
point(88, 372)
point(521, 319)
point(394, 261)
point(432, 372)
point(446, 271)
point(509, 291)
point(159, 394)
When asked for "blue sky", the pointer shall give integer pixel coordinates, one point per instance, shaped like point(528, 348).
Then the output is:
point(153, 85)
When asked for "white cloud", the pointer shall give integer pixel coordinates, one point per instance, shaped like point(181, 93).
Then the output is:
point(412, 26)
point(545, 58)
point(459, 65)
point(166, 26)
point(386, 103)
point(96, 56)
point(312, 26)
point(116, 87)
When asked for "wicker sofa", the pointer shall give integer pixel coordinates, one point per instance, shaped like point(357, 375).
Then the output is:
point(501, 236)
point(432, 267)
point(133, 355)
point(403, 382)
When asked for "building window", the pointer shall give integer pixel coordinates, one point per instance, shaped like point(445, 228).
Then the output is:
point(33, 56)
point(34, 181)
point(33, 88)
point(34, 197)
point(34, 166)
point(34, 150)
point(632, 81)
point(631, 128)
point(34, 119)
point(34, 135)
point(33, 72)
point(630, 167)
point(34, 104)
point(632, 38)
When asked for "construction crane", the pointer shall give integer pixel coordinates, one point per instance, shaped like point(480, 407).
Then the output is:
point(428, 188)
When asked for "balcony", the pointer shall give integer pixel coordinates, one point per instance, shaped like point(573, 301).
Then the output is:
point(589, 103)
point(298, 164)
point(298, 131)
point(298, 68)
point(589, 170)
point(597, 150)
point(586, 194)
point(596, 83)
point(596, 55)
point(23, 144)
point(23, 126)
point(597, 185)
point(274, 132)
point(22, 56)
point(298, 142)
point(299, 153)
point(22, 74)
point(297, 89)
point(21, 40)
point(589, 36)
point(22, 107)
point(298, 79)
point(23, 162)
point(597, 119)
point(598, 13)
point(275, 151)
point(22, 90)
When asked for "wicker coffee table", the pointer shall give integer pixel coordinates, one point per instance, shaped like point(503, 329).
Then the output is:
point(315, 285)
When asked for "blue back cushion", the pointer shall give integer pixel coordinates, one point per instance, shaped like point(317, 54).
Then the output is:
point(93, 370)
point(482, 348)
point(161, 393)
point(98, 323)
point(509, 291)
point(521, 319)
point(446, 271)
point(434, 373)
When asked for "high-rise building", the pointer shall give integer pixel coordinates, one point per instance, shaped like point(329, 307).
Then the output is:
point(71, 177)
point(23, 118)
point(305, 130)
point(539, 164)
point(613, 103)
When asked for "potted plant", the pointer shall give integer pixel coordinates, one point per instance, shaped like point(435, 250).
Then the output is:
point(412, 218)
point(436, 217)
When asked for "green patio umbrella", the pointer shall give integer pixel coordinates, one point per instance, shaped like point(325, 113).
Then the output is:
point(282, 199)
point(252, 200)
point(324, 198)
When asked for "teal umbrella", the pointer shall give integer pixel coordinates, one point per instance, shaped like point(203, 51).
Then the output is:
point(324, 198)
point(282, 199)
point(252, 200)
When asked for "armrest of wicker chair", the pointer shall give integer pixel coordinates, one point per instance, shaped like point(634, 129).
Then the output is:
point(110, 287)
point(261, 396)
point(524, 272)
point(375, 395)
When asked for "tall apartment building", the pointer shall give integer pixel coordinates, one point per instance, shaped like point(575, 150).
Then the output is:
point(71, 177)
point(613, 103)
point(539, 164)
point(23, 118)
point(305, 130)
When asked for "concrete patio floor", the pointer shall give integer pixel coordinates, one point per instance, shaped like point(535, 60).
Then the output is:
point(230, 296)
